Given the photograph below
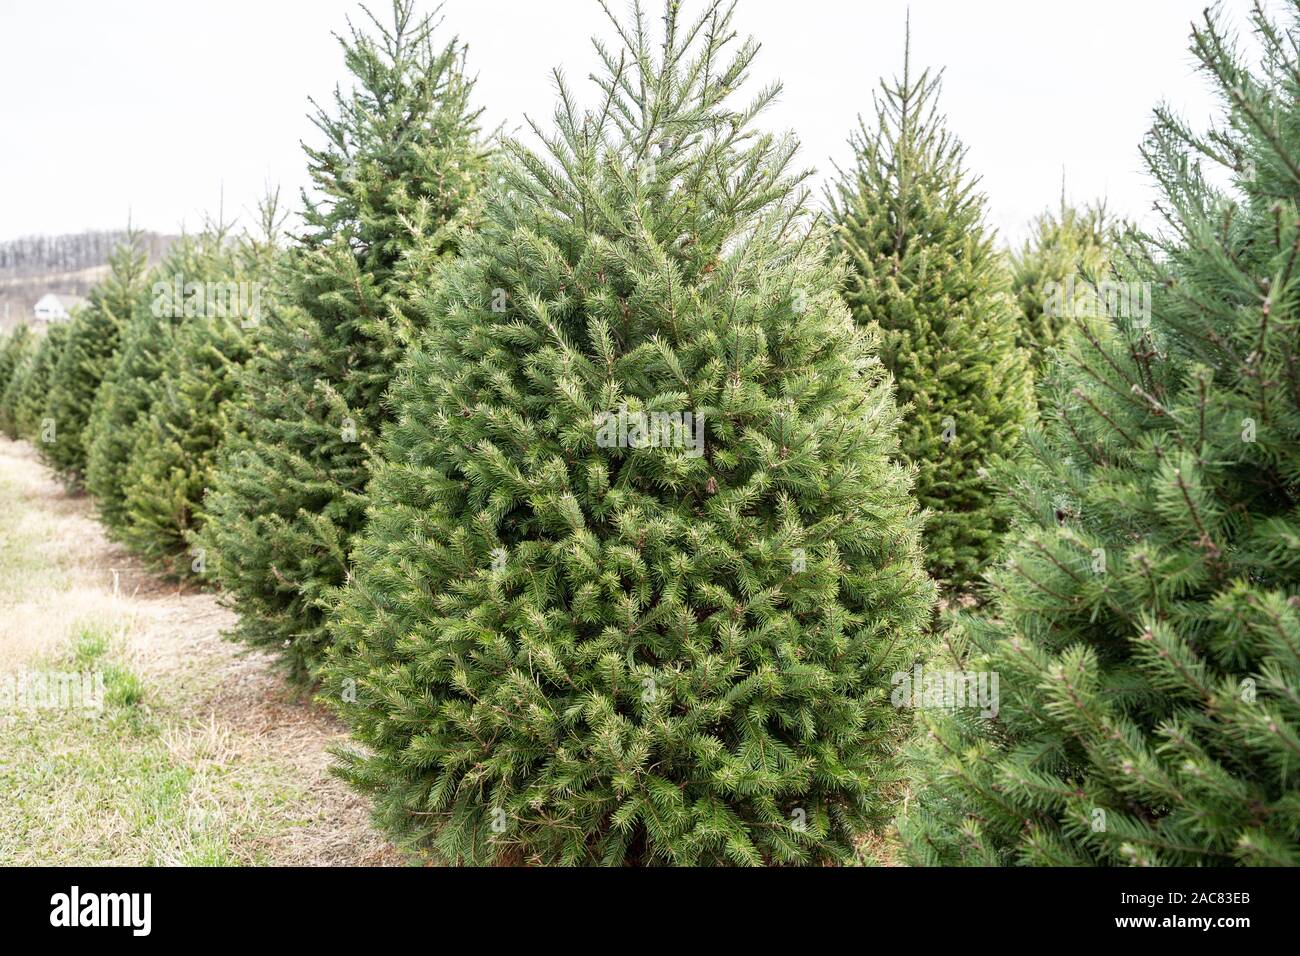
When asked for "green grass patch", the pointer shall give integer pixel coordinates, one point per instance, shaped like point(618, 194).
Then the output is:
point(131, 783)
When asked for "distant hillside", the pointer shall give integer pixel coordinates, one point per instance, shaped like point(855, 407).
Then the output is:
point(34, 265)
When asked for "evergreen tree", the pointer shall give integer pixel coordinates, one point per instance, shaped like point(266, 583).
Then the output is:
point(924, 271)
point(147, 337)
point(173, 445)
point(640, 561)
point(32, 386)
point(15, 347)
point(89, 353)
point(1146, 629)
point(401, 165)
point(14, 389)
point(1062, 262)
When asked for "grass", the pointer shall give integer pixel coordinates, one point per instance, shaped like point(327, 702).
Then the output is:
point(198, 755)
point(129, 784)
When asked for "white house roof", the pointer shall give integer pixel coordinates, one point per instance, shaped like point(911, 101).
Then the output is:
point(57, 304)
point(69, 302)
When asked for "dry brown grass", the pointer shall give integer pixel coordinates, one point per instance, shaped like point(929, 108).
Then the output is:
point(225, 763)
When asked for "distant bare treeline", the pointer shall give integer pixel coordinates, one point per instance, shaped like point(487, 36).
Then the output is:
point(42, 255)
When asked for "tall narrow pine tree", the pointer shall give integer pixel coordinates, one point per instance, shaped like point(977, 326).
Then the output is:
point(925, 273)
point(400, 167)
point(1059, 268)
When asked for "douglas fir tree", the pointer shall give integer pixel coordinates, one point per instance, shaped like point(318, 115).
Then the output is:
point(401, 165)
point(924, 271)
point(1060, 268)
point(1146, 629)
point(89, 353)
point(640, 561)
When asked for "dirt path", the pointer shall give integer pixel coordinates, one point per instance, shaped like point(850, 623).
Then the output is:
point(202, 755)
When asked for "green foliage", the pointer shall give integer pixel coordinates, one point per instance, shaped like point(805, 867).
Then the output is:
point(31, 385)
point(562, 647)
point(172, 446)
point(15, 351)
point(130, 383)
point(924, 272)
point(13, 391)
point(1146, 628)
point(1059, 266)
point(89, 354)
point(400, 168)
point(13, 346)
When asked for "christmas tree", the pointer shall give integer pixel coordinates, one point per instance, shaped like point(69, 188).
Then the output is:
point(15, 347)
point(89, 353)
point(174, 444)
point(1146, 628)
point(14, 389)
point(31, 387)
point(401, 165)
point(640, 558)
point(1061, 264)
point(198, 261)
point(925, 273)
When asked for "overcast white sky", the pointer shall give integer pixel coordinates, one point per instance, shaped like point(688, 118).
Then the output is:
point(152, 107)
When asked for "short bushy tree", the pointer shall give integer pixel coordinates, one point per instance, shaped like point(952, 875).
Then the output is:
point(1146, 629)
point(89, 354)
point(925, 273)
point(640, 560)
point(400, 167)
